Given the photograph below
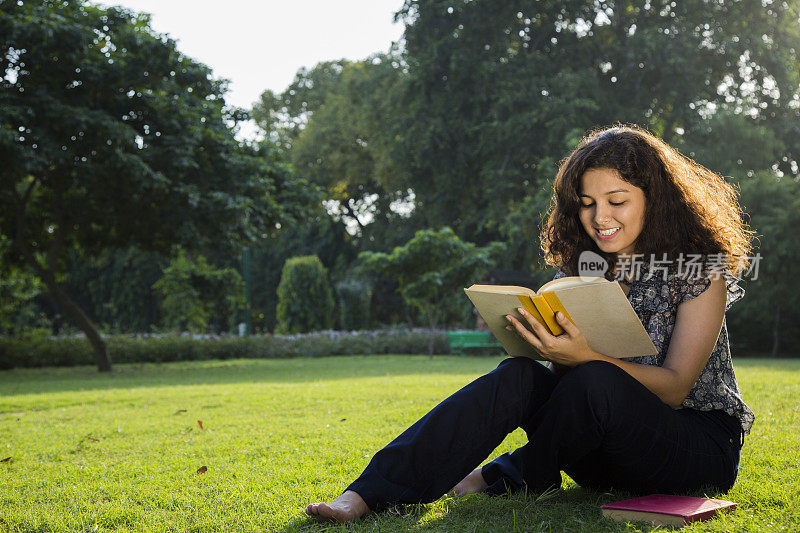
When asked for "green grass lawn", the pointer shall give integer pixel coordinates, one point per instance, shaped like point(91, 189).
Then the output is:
point(121, 452)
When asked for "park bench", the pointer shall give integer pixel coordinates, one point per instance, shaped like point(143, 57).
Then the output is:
point(460, 341)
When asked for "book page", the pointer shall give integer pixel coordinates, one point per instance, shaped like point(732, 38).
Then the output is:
point(494, 307)
point(605, 317)
point(643, 516)
point(570, 281)
point(502, 289)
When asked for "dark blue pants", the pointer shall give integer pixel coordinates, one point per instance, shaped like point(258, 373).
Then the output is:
point(596, 423)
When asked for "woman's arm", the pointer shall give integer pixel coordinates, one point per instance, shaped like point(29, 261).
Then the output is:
point(697, 327)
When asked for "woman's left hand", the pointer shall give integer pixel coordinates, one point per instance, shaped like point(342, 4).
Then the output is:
point(569, 349)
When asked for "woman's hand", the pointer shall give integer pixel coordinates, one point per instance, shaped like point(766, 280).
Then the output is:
point(569, 349)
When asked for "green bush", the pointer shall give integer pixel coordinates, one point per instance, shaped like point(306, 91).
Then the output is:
point(353, 299)
point(305, 298)
point(73, 351)
point(193, 291)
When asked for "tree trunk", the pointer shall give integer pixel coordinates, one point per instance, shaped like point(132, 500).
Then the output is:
point(430, 343)
point(74, 313)
point(433, 319)
point(80, 319)
point(776, 331)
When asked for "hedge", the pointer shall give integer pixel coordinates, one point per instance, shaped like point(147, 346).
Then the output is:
point(305, 297)
point(72, 351)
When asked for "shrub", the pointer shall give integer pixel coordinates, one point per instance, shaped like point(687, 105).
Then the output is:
point(305, 298)
point(194, 291)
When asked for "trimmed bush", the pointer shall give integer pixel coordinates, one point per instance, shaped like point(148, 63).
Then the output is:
point(305, 298)
point(73, 351)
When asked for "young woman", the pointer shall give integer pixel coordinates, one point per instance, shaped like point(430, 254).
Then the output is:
point(673, 422)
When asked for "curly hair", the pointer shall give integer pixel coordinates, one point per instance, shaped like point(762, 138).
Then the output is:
point(688, 209)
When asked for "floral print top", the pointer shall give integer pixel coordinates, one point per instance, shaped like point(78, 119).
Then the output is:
point(655, 297)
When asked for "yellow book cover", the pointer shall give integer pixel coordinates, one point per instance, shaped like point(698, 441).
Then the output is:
point(598, 307)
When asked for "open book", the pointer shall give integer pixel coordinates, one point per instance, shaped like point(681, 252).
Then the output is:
point(598, 308)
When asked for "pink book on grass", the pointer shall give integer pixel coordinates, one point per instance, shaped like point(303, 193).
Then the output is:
point(666, 510)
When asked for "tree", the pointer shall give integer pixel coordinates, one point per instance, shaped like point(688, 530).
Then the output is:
point(432, 269)
point(195, 293)
point(497, 93)
point(110, 137)
point(283, 116)
point(521, 229)
point(748, 153)
point(93, 283)
point(774, 204)
point(333, 121)
point(734, 145)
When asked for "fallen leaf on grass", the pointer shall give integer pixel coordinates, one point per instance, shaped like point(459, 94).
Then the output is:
point(7, 460)
point(202, 470)
point(86, 438)
point(200, 423)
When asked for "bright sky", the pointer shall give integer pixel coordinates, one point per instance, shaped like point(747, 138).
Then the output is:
point(260, 44)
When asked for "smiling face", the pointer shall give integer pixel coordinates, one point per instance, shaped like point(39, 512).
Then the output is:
point(612, 210)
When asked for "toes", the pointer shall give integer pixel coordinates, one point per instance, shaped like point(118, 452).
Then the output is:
point(313, 509)
point(326, 513)
point(319, 511)
point(456, 491)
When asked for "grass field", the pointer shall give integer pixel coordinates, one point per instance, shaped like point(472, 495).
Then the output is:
point(121, 452)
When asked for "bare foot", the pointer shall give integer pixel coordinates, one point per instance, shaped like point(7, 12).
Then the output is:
point(346, 508)
point(471, 484)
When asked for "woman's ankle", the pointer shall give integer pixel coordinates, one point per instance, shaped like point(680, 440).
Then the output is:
point(356, 501)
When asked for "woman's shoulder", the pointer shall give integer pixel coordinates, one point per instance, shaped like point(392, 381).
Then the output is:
point(682, 284)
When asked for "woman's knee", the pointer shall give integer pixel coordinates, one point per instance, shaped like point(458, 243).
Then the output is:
point(517, 364)
point(524, 376)
point(521, 368)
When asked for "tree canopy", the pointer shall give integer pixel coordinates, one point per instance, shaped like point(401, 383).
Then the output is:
point(431, 270)
point(497, 93)
point(109, 136)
